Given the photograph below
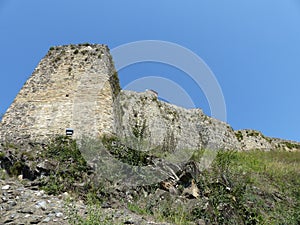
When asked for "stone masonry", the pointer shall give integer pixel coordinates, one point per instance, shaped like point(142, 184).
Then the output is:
point(76, 86)
point(72, 87)
point(167, 126)
point(170, 127)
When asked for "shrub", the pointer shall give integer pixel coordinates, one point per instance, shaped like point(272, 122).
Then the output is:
point(125, 153)
point(71, 166)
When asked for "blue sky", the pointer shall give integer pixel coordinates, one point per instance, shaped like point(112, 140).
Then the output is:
point(252, 47)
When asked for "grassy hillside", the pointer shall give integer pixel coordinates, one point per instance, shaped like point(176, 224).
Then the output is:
point(251, 187)
point(240, 188)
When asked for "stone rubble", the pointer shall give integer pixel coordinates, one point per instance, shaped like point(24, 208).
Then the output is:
point(22, 203)
point(25, 204)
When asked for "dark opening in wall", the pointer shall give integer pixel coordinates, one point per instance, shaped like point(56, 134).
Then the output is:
point(67, 95)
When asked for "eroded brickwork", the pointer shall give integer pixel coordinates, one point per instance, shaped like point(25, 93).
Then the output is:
point(72, 87)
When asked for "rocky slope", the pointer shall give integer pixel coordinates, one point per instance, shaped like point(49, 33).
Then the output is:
point(25, 177)
point(249, 187)
point(21, 202)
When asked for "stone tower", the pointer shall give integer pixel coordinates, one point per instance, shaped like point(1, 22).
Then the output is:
point(72, 87)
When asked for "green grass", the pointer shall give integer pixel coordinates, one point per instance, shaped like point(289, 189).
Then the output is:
point(94, 215)
point(264, 188)
point(253, 187)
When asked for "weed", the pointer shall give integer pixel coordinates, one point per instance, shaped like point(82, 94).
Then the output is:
point(9, 145)
point(17, 168)
point(134, 207)
point(291, 145)
point(138, 129)
point(93, 216)
point(239, 135)
point(3, 174)
point(252, 133)
point(115, 82)
point(124, 153)
point(2, 155)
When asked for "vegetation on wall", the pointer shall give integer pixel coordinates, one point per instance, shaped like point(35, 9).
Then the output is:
point(239, 135)
point(115, 83)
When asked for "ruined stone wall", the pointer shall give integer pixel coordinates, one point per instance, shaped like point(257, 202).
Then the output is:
point(253, 139)
point(76, 86)
point(170, 127)
point(73, 86)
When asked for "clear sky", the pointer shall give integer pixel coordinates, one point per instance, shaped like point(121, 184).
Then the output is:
point(252, 47)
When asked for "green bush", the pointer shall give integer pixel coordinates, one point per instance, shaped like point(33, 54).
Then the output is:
point(71, 166)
